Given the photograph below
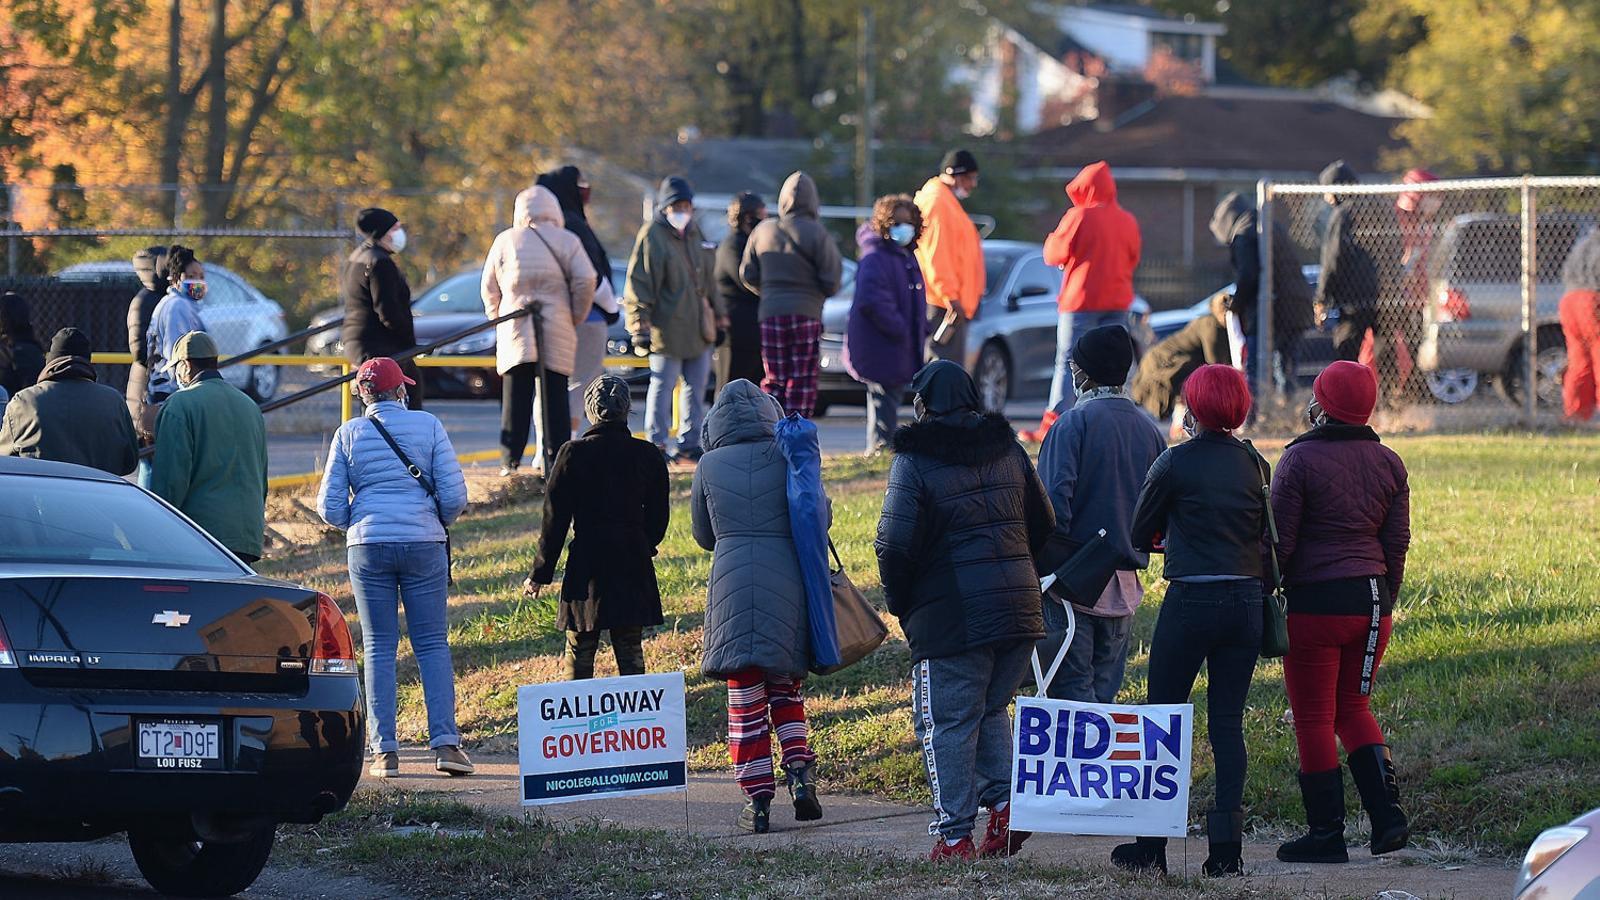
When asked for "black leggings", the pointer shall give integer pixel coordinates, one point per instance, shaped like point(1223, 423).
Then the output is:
point(627, 643)
point(516, 413)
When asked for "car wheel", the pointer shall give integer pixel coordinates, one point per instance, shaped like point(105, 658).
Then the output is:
point(183, 866)
point(263, 383)
point(1550, 365)
point(992, 376)
point(1452, 385)
point(820, 408)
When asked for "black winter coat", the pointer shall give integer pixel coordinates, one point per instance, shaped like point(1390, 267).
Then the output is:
point(377, 305)
point(1159, 382)
point(610, 489)
point(1234, 226)
point(1355, 270)
point(563, 182)
point(743, 307)
point(21, 361)
point(1204, 497)
point(964, 515)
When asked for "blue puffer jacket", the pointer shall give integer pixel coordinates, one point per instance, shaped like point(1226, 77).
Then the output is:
point(368, 492)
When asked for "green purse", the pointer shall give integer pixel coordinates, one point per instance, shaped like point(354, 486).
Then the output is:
point(1274, 606)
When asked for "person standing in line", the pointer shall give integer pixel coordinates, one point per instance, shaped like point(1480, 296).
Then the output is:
point(1234, 224)
point(1097, 244)
point(950, 252)
point(1093, 464)
point(883, 339)
point(572, 192)
point(610, 489)
point(21, 357)
point(963, 517)
point(1343, 511)
point(756, 636)
point(1580, 326)
point(175, 315)
point(150, 265)
point(743, 345)
point(1203, 498)
point(68, 416)
point(793, 263)
point(398, 547)
point(377, 298)
point(671, 291)
point(1158, 384)
point(1351, 279)
point(211, 451)
point(539, 266)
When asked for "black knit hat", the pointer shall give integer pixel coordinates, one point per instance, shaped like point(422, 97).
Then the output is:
point(69, 342)
point(1104, 354)
point(958, 162)
point(375, 222)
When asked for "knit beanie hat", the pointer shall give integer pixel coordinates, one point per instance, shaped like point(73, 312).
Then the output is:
point(69, 342)
point(607, 400)
point(375, 222)
point(672, 189)
point(1105, 354)
point(1217, 396)
point(1347, 391)
point(958, 162)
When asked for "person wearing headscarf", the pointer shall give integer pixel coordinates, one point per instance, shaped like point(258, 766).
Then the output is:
point(610, 490)
point(962, 519)
point(743, 345)
point(68, 416)
point(377, 297)
point(1202, 506)
point(572, 193)
point(21, 356)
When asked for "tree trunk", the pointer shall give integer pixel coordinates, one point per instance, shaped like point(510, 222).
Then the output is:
point(172, 133)
point(216, 192)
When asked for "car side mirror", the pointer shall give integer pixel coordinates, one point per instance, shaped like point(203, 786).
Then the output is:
point(1027, 290)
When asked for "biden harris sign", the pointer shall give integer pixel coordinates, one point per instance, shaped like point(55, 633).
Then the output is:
point(601, 737)
point(1092, 768)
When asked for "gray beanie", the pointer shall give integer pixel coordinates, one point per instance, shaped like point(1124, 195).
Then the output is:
point(607, 400)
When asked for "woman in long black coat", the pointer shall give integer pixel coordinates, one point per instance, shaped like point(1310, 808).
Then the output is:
point(610, 489)
point(742, 350)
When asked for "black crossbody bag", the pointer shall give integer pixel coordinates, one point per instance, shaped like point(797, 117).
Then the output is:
point(426, 484)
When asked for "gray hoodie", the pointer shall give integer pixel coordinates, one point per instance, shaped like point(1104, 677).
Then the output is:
point(792, 262)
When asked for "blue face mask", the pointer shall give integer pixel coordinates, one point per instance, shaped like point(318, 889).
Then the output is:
point(902, 233)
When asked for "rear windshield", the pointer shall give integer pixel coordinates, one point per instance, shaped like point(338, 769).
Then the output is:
point(63, 520)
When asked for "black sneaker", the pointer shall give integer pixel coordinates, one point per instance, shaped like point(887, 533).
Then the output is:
point(756, 817)
point(803, 790)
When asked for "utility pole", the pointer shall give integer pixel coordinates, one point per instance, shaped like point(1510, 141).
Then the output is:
point(864, 87)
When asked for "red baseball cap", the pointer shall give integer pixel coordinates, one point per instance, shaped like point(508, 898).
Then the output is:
point(382, 373)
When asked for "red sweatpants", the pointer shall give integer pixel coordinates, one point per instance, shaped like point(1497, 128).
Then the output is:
point(1580, 322)
point(754, 697)
point(1323, 675)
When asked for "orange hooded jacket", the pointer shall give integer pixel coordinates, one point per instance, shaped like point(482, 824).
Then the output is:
point(1097, 243)
point(949, 250)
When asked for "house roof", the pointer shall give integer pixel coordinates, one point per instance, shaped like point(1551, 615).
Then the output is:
point(1276, 134)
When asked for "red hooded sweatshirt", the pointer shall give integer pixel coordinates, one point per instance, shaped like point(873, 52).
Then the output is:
point(1097, 243)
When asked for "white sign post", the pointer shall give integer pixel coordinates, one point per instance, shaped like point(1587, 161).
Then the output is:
point(602, 737)
point(1092, 768)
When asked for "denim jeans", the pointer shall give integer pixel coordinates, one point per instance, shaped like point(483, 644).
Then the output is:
point(1069, 327)
point(1093, 668)
point(417, 574)
point(883, 413)
point(1218, 624)
point(664, 374)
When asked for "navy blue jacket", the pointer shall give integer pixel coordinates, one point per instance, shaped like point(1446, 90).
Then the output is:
point(888, 320)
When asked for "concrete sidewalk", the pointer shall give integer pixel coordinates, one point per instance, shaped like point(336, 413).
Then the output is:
point(712, 805)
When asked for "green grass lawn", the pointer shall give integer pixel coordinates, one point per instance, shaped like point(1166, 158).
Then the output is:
point(1490, 691)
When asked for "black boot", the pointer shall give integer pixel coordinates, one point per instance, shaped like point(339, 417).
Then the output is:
point(1323, 795)
point(1225, 831)
point(756, 817)
point(803, 789)
point(1373, 771)
point(1143, 855)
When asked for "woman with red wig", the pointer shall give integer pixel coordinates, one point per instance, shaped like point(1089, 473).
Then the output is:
point(1342, 506)
point(1202, 500)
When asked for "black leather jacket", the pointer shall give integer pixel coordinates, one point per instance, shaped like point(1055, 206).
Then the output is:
point(1204, 497)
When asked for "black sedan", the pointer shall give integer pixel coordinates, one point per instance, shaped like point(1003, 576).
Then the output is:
point(151, 683)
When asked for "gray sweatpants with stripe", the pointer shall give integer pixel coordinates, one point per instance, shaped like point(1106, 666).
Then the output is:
point(959, 703)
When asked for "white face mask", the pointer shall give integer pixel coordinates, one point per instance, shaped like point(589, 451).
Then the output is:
point(397, 238)
point(679, 220)
point(961, 193)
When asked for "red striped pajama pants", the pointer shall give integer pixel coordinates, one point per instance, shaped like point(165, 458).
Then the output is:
point(754, 698)
point(791, 352)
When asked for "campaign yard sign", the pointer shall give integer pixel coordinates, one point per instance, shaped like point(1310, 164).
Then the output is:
point(601, 737)
point(1093, 768)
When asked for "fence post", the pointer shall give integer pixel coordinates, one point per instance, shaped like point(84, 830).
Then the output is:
point(1530, 331)
point(344, 396)
point(1264, 341)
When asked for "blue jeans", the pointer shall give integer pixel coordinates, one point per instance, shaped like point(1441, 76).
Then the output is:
point(1069, 327)
point(1093, 668)
point(664, 374)
point(883, 413)
point(382, 577)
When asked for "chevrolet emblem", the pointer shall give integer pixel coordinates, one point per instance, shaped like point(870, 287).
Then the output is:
point(170, 618)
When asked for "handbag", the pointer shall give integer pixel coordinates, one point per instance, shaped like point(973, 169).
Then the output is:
point(861, 630)
point(1274, 605)
point(426, 484)
point(708, 321)
point(1084, 576)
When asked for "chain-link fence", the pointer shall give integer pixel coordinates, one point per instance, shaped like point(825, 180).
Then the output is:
point(1448, 289)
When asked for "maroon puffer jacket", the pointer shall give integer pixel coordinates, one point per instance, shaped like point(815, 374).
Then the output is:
point(1343, 507)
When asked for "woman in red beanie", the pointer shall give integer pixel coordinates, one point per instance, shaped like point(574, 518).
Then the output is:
point(1343, 515)
point(1203, 499)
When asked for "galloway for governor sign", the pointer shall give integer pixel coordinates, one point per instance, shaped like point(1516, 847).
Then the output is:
point(1093, 768)
point(601, 737)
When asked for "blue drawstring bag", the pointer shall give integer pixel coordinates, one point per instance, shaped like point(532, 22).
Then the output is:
point(808, 521)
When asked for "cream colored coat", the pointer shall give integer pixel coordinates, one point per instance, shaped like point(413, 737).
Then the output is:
point(522, 272)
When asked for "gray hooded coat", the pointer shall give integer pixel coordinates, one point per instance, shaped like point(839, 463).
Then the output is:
point(792, 262)
point(756, 607)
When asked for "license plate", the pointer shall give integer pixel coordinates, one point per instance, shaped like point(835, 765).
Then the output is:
point(178, 744)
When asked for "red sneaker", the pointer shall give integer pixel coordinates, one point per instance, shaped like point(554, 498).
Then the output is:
point(960, 851)
point(1037, 435)
point(998, 838)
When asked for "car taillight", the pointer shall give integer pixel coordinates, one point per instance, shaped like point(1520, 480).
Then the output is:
point(335, 652)
point(1454, 305)
point(8, 660)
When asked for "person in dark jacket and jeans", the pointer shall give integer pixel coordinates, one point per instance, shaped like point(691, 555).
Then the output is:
point(1093, 462)
point(68, 417)
point(793, 263)
point(610, 489)
point(742, 348)
point(150, 264)
point(963, 516)
point(21, 356)
point(1234, 225)
point(377, 299)
point(1203, 499)
point(1343, 509)
point(888, 320)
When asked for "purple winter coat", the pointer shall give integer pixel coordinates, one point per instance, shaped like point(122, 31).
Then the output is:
point(1343, 507)
point(888, 320)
